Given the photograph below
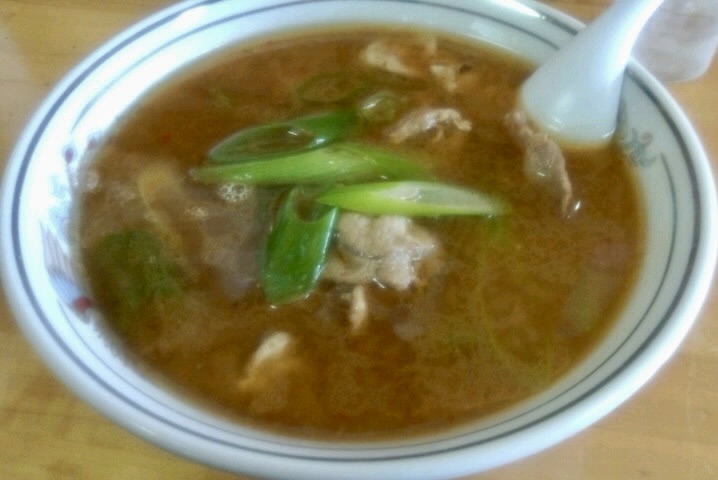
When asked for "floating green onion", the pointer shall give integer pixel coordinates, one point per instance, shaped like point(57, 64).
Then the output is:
point(381, 107)
point(331, 87)
point(412, 198)
point(339, 162)
point(285, 137)
point(296, 249)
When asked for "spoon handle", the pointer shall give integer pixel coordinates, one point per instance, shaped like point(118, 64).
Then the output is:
point(575, 94)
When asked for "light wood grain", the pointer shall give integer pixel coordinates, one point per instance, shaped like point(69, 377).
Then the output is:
point(667, 431)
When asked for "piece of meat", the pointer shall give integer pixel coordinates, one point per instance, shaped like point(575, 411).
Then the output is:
point(403, 58)
point(222, 228)
point(447, 75)
point(544, 162)
point(279, 376)
point(427, 120)
point(387, 249)
point(417, 58)
point(267, 375)
point(358, 309)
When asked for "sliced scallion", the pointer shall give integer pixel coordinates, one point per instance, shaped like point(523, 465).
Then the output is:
point(296, 249)
point(381, 107)
point(285, 137)
point(339, 162)
point(412, 198)
point(331, 87)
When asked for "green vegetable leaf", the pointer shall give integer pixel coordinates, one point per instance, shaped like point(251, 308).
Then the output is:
point(296, 248)
point(339, 162)
point(412, 198)
point(285, 137)
point(130, 269)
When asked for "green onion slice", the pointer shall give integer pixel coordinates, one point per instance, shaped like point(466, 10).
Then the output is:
point(381, 107)
point(331, 87)
point(339, 162)
point(296, 248)
point(286, 137)
point(412, 198)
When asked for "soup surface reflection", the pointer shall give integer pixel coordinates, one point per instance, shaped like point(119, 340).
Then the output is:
point(415, 322)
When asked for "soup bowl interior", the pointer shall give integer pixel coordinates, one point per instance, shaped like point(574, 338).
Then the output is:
point(55, 313)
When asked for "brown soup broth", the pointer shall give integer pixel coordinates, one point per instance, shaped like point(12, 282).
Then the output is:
point(517, 301)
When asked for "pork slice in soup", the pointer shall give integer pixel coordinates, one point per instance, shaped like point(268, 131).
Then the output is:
point(342, 234)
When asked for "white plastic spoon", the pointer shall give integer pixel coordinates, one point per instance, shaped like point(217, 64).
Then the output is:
point(575, 95)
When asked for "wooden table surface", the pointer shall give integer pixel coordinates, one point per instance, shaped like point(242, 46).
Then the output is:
point(669, 430)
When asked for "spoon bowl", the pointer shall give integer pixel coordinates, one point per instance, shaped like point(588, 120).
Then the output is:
point(575, 95)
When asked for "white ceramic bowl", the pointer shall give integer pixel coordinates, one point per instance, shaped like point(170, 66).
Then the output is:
point(37, 195)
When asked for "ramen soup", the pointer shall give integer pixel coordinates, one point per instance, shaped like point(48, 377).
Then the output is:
point(353, 234)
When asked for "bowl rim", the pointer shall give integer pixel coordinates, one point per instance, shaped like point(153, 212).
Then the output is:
point(560, 425)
